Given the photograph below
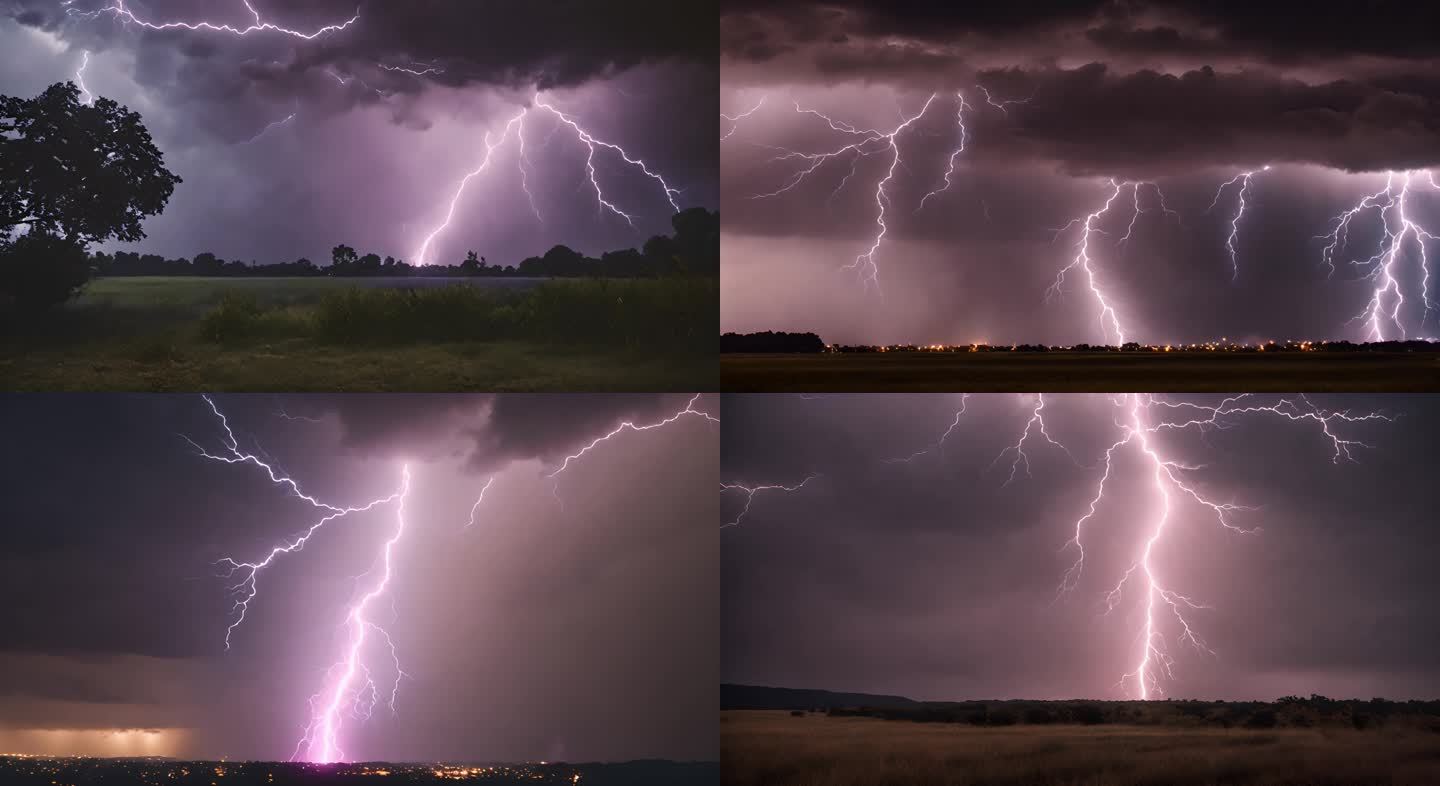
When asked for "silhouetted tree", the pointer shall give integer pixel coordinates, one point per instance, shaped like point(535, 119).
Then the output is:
point(81, 173)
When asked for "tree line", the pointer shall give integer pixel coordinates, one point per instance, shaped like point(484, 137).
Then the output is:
point(693, 249)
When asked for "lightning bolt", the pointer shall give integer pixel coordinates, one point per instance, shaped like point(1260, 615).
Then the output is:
point(751, 491)
point(592, 143)
point(1145, 416)
point(871, 142)
point(1108, 317)
point(354, 685)
point(1399, 227)
point(1244, 180)
point(479, 500)
point(422, 254)
point(735, 119)
point(87, 98)
point(118, 9)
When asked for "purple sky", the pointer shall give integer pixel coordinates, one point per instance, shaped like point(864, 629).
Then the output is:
point(936, 579)
point(1170, 92)
point(575, 620)
point(372, 157)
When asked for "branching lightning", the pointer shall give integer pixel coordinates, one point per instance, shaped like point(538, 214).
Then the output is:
point(939, 443)
point(960, 107)
point(751, 491)
point(349, 684)
point(1146, 424)
point(1109, 318)
point(258, 25)
point(1244, 180)
point(734, 120)
point(870, 142)
point(627, 425)
point(592, 145)
point(1399, 228)
point(1144, 417)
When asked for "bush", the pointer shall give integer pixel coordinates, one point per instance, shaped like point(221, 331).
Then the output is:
point(236, 317)
point(39, 271)
point(1039, 716)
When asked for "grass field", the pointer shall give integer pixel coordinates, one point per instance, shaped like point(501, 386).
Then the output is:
point(775, 748)
point(1058, 372)
point(296, 334)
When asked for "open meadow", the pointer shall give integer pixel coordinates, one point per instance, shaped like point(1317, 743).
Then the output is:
point(778, 748)
point(369, 334)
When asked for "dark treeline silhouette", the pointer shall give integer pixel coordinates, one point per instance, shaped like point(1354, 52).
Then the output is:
point(1287, 711)
point(809, 342)
point(771, 342)
point(693, 250)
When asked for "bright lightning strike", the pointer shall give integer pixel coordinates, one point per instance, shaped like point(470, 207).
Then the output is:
point(478, 500)
point(118, 9)
point(592, 145)
point(86, 97)
point(354, 687)
point(1001, 105)
point(1144, 417)
point(1399, 228)
point(1109, 318)
point(751, 491)
point(1244, 180)
point(349, 689)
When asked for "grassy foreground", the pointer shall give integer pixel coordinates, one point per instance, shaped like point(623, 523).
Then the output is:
point(774, 747)
point(297, 334)
point(1061, 372)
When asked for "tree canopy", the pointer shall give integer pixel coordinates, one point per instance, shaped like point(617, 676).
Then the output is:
point(81, 172)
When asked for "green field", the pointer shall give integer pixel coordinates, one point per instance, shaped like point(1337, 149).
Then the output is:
point(296, 334)
point(1059, 372)
point(775, 748)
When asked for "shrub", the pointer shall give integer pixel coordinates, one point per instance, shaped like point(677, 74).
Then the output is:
point(1039, 716)
point(39, 271)
point(236, 317)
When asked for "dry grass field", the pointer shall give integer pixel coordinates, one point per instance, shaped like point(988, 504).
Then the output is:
point(776, 748)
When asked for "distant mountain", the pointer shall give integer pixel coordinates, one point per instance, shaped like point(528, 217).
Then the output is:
point(756, 697)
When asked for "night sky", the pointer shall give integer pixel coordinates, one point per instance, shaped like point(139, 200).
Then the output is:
point(575, 620)
point(936, 579)
point(1186, 95)
point(373, 156)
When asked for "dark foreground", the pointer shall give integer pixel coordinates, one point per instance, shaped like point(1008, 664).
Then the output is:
point(780, 748)
point(1103, 372)
point(81, 771)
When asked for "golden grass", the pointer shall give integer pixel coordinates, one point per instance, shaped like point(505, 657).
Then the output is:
point(776, 749)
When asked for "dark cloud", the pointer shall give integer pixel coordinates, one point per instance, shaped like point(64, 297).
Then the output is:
point(937, 578)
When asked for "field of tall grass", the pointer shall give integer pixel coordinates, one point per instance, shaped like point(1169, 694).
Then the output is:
point(303, 334)
point(777, 748)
